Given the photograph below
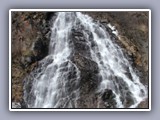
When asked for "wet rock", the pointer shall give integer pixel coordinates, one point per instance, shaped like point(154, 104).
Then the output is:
point(108, 98)
point(88, 68)
point(84, 63)
point(80, 42)
point(129, 100)
point(108, 94)
point(23, 104)
point(89, 73)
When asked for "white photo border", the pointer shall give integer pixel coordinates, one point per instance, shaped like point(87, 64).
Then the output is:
point(80, 10)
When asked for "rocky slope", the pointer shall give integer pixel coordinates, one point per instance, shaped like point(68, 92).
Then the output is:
point(30, 40)
point(30, 35)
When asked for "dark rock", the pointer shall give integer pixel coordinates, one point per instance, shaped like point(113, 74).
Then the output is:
point(27, 28)
point(107, 95)
point(108, 98)
point(23, 104)
point(41, 48)
point(49, 15)
point(80, 42)
point(85, 64)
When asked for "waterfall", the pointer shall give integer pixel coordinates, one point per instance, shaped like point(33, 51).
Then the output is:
point(56, 81)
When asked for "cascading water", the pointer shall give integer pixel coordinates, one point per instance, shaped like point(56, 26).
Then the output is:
point(51, 87)
point(56, 82)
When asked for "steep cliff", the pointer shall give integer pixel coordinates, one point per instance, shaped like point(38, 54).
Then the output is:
point(30, 36)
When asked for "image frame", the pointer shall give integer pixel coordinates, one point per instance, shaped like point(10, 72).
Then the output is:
point(79, 109)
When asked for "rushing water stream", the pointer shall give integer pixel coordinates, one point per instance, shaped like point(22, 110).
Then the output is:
point(57, 73)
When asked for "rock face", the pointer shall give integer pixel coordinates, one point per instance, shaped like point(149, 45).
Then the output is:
point(88, 68)
point(30, 40)
point(31, 34)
